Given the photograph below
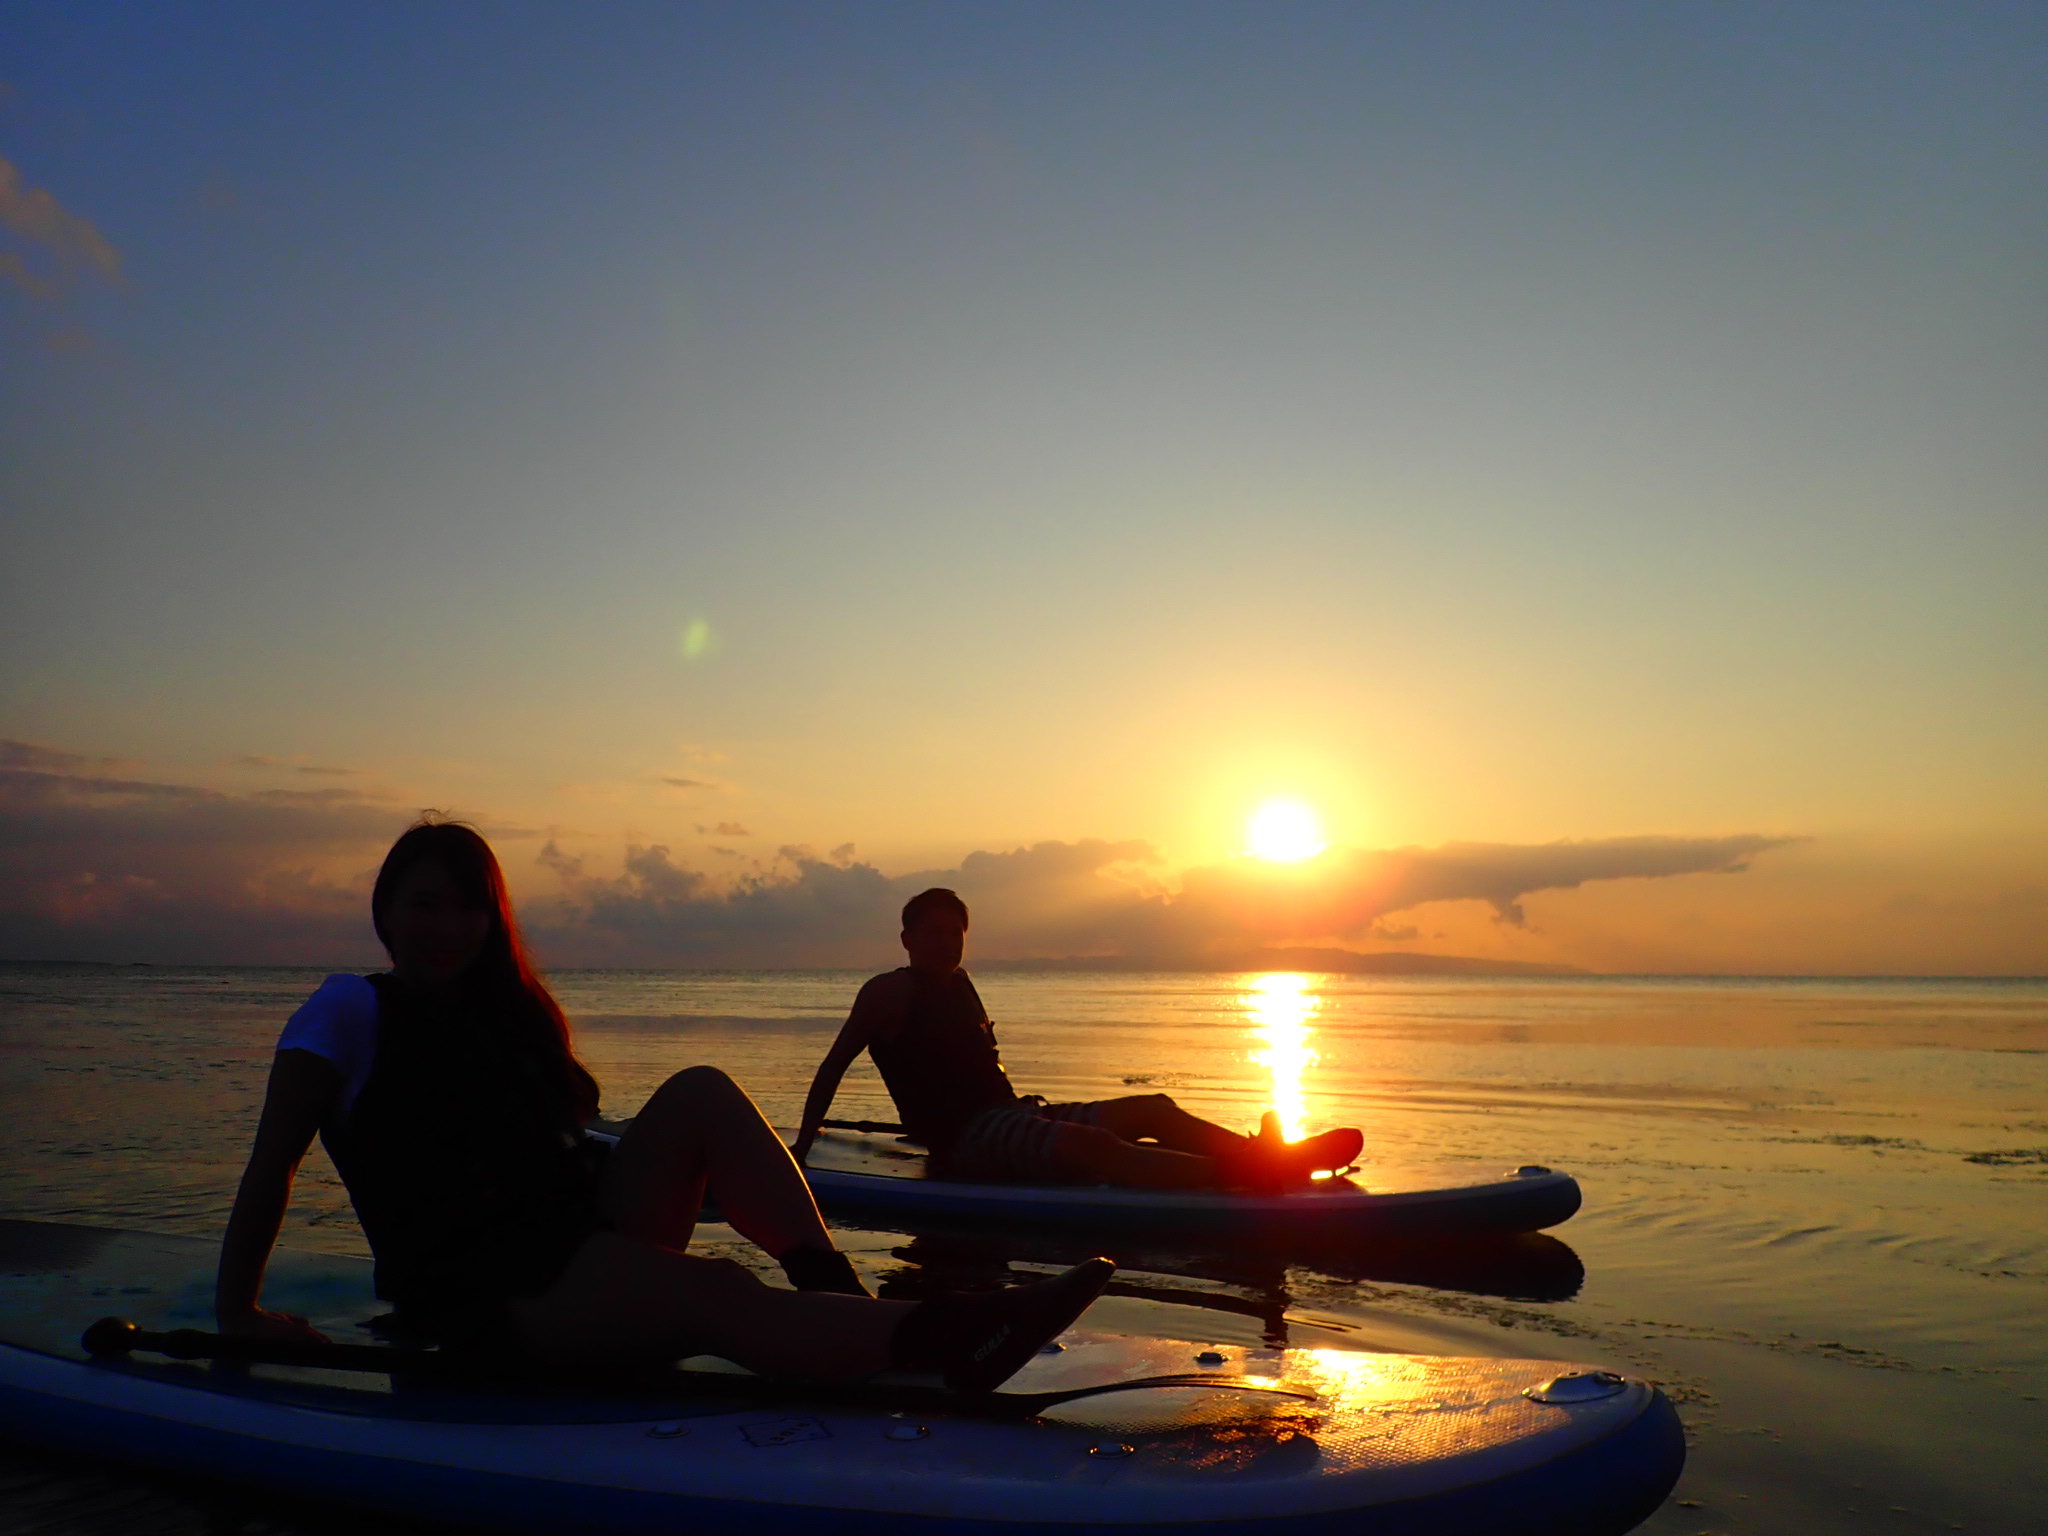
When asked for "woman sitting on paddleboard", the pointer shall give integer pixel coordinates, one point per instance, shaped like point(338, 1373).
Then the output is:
point(447, 1093)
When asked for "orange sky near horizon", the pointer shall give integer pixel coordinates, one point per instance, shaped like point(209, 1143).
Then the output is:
point(1598, 471)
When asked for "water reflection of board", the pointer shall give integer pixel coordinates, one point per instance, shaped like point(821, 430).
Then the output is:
point(1387, 1443)
point(879, 1175)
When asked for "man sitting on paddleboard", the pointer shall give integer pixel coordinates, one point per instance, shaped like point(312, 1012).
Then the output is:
point(931, 1039)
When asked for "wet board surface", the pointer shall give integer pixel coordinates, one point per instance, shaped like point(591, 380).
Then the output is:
point(878, 1174)
point(1418, 1443)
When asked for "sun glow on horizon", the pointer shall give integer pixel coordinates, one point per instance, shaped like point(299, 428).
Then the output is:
point(1286, 832)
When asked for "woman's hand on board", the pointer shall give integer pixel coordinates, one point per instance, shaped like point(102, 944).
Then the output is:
point(257, 1323)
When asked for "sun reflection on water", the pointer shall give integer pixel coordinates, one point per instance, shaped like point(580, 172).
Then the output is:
point(1281, 1006)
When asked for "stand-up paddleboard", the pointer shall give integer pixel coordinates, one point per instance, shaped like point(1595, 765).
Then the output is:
point(1396, 1445)
point(877, 1175)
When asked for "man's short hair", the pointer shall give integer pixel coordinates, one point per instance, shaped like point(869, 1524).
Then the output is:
point(938, 898)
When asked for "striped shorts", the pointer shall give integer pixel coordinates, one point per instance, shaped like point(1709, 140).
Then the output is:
point(1012, 1143)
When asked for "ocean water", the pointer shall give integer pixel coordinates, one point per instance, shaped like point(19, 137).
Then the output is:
point(1816, 1211)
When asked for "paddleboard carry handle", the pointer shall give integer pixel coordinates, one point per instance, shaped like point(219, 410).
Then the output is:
point(116, 1337)
point(873, 1127)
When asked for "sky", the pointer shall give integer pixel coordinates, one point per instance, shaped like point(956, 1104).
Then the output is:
point(755, 460)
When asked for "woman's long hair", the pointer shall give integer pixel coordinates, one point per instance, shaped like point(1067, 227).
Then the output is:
point(502, 975)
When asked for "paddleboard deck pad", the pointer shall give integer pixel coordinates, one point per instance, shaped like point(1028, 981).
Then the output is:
point(1394, 1445)
point(879, 1176)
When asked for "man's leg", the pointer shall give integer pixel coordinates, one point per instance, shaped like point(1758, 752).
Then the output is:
point(1155, 1115)
point(1087, 1154)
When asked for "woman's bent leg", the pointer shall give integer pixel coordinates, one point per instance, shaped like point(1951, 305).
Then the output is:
point(624, 1298)
point(700, 1134)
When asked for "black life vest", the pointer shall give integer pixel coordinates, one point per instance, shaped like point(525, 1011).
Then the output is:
point(942, 1068)
point(462, 1155)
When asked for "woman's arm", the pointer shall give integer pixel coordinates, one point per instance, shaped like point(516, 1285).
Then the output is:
point(302, 1088)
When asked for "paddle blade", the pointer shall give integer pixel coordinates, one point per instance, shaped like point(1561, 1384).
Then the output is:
point(110, 1336)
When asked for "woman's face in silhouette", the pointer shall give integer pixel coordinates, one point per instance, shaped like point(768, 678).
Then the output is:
point(431, 928)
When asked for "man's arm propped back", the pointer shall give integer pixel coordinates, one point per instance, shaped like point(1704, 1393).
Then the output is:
point(877, 1012)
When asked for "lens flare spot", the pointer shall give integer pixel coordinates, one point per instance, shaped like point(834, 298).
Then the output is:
point(1286, 832)
point(697, 640)
point(1281, 1006)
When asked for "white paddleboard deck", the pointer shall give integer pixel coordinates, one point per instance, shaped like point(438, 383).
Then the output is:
point(1386, 1443)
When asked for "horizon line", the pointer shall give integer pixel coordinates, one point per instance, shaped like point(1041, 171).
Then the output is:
point(1482, 972)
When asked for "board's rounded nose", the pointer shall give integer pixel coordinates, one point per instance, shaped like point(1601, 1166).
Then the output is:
point(1565, 1199)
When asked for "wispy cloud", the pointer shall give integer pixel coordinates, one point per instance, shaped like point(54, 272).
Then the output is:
point(1348, 890)
point(98, 867)
point(295, 765)
point(28, 754)
point(97, 864)
point(70, 247)
point(15, 270)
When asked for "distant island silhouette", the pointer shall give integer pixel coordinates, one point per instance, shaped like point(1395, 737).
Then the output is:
point(1345, 962)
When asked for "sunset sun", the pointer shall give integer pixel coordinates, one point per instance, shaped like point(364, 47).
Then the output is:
point(1286, 831)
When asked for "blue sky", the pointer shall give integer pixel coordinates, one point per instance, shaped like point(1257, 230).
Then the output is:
point(1489, 422)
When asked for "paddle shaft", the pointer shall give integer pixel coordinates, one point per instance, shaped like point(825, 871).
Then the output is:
point(110, 1337)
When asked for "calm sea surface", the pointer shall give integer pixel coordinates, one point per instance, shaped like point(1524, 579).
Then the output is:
point(1817, 1212)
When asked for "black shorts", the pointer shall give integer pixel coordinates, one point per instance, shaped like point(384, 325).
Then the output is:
point(1012, 1143)
point(460, 1294)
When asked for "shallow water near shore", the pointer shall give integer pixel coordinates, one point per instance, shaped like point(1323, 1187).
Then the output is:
point(1817, 1212)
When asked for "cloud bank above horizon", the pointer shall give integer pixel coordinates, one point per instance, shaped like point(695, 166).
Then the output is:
point(1091, 898)
point(101, 862)
point(100, 866)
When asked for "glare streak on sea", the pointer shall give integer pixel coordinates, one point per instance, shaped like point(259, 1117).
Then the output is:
point(1816, 1211)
